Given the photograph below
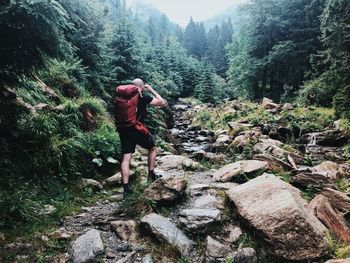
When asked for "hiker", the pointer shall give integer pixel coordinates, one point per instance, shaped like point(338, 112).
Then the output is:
point(130, 111)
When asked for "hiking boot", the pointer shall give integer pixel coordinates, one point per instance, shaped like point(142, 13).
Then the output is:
point(152, 176)
point(127, 191)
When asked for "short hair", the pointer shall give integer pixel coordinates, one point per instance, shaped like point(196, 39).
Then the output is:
point(138, 82)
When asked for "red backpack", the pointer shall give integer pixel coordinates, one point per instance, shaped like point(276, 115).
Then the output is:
point(125, 103)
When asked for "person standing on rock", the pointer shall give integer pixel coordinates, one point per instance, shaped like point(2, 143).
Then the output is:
point(130, 111)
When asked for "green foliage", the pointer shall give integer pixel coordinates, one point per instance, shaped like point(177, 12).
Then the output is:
point(31, 30)
point(269, 54)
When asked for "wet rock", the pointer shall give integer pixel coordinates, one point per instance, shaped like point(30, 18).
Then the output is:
point(92, 183)
point(199, 219)
point(162, 229)
point(215, 251)
point(126, 230)
point(330, 218)
point(114, 180)
point(166, 189)
point(87, 246)
point(278, 212)
point(325, 138)
point(245, 255)
point(247, 167)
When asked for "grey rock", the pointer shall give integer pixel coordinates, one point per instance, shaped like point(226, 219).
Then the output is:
point(245, 255)
point(164, 230)
point(278, 212)
point(208, 201)
point(233, 234)
point(166, 189)
point(223, 139)
point(147, 259)
point(92, 183)
point(216, 251)
point(199, 219)
point(114, 180)
point(222, 186)
point(87, 246)
point(247, 167)
point(169, 162)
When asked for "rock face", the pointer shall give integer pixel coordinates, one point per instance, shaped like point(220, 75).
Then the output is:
point(166, 189)
point(280, 215)
point(162, 229)
point(199, 219)
point(248, 167)
point(87, 246)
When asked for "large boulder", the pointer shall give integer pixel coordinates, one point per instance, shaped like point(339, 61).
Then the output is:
point(166, 189)
point(164, 230)
point(246, 167)
point(87, 246)
point(281, 216)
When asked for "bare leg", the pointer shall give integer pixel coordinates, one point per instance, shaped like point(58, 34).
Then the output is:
point(125, 167)
point(152, 155)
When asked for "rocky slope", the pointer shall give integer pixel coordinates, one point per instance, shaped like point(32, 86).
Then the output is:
point(212, 204)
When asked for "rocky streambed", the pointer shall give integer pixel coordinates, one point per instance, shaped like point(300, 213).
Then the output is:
point(275, 206)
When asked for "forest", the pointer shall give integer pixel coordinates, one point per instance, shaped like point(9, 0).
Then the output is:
point(60, 62)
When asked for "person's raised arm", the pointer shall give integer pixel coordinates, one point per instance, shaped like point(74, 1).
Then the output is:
point(157, 100)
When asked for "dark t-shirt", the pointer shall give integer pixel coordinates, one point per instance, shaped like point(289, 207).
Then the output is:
point(142, 106)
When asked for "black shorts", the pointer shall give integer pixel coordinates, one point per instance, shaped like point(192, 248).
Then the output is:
point(130, 138)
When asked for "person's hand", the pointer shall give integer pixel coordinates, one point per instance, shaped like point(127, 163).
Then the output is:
point(147, 87)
